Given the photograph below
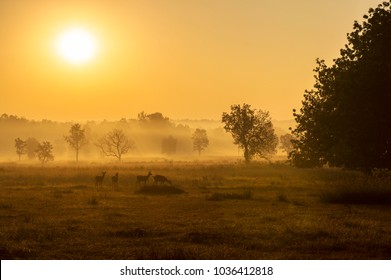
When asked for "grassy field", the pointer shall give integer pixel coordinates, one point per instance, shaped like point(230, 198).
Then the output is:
point(212, 211)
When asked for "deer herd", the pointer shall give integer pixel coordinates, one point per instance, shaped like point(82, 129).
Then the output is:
point(140, 180)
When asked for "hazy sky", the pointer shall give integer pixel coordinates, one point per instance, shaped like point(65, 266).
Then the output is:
point(184, 58)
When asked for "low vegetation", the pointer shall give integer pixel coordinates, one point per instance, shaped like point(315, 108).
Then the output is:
point(362, 190)
point(211, 211)
point(231, 195)
point(159, 190)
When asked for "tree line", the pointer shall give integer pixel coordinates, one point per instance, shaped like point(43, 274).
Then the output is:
point(114, 143)
point(252, 131)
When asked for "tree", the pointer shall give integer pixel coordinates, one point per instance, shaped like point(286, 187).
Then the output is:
point(115, 144)
point(154, 120)
point(21, 147)
point(31, 147)
point(286, 143)
point(169, 145)
point(252, 131)
point(76, 138)
point(200, 140)
point(344, 121)
point(45, 152)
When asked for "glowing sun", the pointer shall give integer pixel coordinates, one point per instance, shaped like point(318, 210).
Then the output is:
point(76, 45)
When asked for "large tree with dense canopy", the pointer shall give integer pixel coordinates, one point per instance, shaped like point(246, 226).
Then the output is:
point(345, 120)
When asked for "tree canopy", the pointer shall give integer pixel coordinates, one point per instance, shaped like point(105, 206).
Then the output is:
point(76, 138)
point(31, 147)
point(252, 130)
point(345, 120)
point(169, 145)
point(20, 146)
point(200, 140)
point(45, 152)
point(286, 143)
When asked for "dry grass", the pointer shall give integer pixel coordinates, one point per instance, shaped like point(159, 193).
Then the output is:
point(219, 211)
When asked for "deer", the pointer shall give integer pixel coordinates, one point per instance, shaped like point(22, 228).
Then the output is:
point(114, 180)
point(99, 179)
point(144, 179)
point(161, 179)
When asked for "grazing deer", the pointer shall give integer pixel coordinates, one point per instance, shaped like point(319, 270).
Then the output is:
point(99, 179)
point(114, 180)
point(144, 179)
point(161, 179)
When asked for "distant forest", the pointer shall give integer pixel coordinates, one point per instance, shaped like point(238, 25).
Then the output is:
point(153, 135)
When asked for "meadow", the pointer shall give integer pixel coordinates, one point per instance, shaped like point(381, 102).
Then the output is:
point(212, 210)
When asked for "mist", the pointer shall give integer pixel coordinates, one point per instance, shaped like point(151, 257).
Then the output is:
point(147, 132)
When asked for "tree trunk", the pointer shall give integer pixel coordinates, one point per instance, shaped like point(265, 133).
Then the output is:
point(246, 154)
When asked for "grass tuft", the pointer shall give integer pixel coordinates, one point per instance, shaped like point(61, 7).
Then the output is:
point(282, 197)
point(93, 200)
point(5, 205)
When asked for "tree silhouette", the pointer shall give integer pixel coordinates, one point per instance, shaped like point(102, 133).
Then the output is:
point(200, 140)
point(76, 138)
point(344, 121)
point(21, 147)
point(286, 142)
point(31, 147)
point(252, 131)
point(115, 144)
point(169, 145)
point(45, 152)
point(154, 120)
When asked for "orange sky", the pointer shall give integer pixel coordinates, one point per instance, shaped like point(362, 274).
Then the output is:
point(186, 59)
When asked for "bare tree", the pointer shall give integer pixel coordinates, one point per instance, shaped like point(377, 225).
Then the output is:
point(21, 147)
point(115, 144)
point(76, 138)
point(45, 152)
point(200, 140)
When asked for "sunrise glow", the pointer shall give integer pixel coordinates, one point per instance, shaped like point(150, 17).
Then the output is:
point(76, 46)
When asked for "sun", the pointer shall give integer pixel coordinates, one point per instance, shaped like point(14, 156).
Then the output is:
point(76, 45)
